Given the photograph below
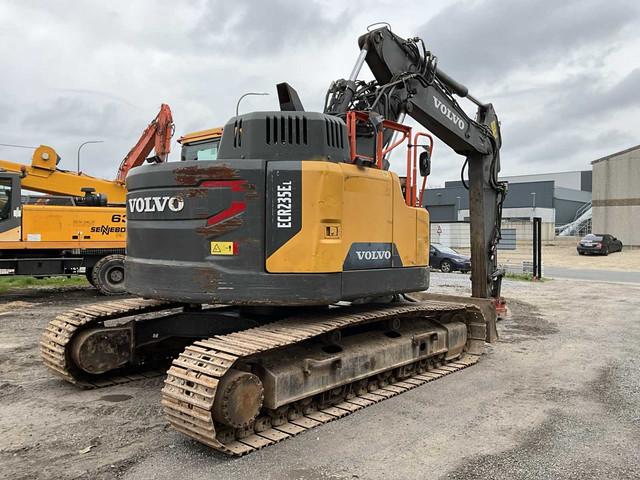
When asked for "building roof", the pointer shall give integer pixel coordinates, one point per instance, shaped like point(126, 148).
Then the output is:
point(524, 175)
point(622, 152)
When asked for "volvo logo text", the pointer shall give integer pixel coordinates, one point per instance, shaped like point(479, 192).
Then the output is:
point(373, 254)
point(155, 204)
point(447, 112)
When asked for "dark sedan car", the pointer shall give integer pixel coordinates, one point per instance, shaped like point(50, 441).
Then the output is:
point(601, 244)
point(447, 259)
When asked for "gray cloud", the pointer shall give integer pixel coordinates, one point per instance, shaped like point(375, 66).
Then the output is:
point(80, 116)
point(571, 119)
point(487, 40)
point(266, 28)
point(590, 97)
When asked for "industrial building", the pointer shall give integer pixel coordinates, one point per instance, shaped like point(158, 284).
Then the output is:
point(616, 195)
point(555, 197)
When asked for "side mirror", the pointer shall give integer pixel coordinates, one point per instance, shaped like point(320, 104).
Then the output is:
point(424, 162)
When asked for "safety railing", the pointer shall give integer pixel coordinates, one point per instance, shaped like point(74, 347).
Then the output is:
point(401, 134)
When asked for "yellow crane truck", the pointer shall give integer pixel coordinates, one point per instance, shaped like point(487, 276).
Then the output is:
point(80, 222)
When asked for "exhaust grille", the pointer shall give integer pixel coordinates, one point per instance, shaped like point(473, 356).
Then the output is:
point(237, 134)
point(335, 133)
point(286, 129)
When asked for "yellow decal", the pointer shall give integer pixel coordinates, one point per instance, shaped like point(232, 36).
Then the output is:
point(494, 129)
point(221, 248)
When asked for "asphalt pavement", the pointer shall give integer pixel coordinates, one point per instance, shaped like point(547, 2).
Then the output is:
point(592, 274)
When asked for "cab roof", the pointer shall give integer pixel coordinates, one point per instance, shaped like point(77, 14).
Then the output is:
point(200, 135)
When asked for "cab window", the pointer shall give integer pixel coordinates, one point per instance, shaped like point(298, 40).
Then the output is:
point(5, 198)
point(205, 150)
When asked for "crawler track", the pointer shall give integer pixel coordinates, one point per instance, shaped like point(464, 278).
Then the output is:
point(190, 387)
point(57, 336)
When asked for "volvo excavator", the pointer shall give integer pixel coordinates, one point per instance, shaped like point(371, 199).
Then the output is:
point(282, 276)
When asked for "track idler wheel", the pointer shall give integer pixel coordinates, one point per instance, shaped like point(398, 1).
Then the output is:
point(239, 397)
point(99, 350)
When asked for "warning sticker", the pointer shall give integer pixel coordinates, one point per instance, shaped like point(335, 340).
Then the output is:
point(222, 248)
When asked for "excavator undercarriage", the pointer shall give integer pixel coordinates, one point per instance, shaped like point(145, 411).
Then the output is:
point(250, 381)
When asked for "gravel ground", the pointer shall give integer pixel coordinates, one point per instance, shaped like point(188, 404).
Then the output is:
point(557, 397)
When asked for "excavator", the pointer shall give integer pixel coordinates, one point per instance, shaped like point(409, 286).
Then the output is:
point(286, 277)
point(80, 222)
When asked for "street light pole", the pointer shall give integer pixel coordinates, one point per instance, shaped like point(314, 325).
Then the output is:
point(246, 95)
point(533, 206)
point(82, 145)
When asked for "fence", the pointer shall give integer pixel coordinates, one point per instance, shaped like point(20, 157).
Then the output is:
point(515, 250)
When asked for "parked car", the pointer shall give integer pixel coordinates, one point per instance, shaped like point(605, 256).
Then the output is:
point(602, 244)
point(447, 259)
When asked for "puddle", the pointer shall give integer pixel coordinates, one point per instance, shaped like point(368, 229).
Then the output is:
point(116, 398)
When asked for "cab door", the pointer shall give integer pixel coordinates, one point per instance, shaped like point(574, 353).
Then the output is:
point(10, 211)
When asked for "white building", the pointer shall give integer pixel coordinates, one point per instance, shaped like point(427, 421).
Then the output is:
point(616, 195)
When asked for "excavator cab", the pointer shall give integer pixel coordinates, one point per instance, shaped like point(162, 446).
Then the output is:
point(9, 205)
point(201, 145)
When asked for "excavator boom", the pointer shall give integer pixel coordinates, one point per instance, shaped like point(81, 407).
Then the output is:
point(156, 136)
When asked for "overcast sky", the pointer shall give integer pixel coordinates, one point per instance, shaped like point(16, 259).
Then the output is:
point(564, 77)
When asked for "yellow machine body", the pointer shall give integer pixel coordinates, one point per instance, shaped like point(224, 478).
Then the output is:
point(67, 227)
point(343, 204)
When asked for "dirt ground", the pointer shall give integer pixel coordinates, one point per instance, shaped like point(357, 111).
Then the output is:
point(557, 397)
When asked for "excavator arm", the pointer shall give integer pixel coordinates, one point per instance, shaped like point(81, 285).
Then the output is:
point(408, 81)
point(156, 136)
point(43, 176)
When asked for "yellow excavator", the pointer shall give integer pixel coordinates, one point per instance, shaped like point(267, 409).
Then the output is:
point(284, 277)
point(81, 220)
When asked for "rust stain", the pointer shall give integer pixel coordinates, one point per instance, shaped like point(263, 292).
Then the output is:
point(250, 192)
point(208, 278)
point(225, 226)
point(197, 192)
point(195, 174)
